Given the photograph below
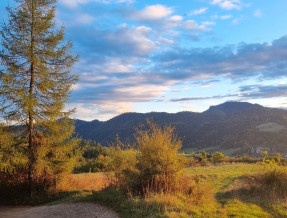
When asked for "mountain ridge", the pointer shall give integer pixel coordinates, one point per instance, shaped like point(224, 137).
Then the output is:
point(239, 125)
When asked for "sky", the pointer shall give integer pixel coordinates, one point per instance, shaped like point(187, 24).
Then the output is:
point(171, 56)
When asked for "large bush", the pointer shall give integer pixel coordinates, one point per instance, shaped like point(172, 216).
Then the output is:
point(154, 165)
point(158, 160)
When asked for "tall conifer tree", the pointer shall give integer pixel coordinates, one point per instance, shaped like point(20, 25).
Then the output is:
point(35, 84)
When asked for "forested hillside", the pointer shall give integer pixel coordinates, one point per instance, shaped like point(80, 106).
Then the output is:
point(239, 125)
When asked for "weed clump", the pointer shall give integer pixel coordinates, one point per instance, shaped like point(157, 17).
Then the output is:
point(270, 185)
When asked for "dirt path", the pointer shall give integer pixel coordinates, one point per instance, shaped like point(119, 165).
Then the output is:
point(75, 210)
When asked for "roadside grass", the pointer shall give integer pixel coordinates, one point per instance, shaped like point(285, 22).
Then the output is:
point(81, 187)
point(98, 188)
point(157, 205)
point(87, 182)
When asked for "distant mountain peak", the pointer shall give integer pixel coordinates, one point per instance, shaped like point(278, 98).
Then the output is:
point(231, 107)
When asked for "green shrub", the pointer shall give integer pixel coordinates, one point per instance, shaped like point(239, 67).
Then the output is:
point(158, 161)
point(124, 165)
point(218, 157)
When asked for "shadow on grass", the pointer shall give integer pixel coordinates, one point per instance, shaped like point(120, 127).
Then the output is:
point(126, 205)
point(223, 196)
point(263, 199)
point(266, 204)
point(22, 198)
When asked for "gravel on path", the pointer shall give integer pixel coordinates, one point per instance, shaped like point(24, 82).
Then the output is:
point(68, 210)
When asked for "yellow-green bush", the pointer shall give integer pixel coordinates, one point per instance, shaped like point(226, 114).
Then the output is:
point(158, 160)
point(124, 162)
point(155, 165)
point(219, 157)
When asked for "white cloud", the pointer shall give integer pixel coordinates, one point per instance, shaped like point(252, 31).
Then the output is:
point(114, 108)
point(222, 17)
point(99, 111)
point(237, 20)
point(152, 12)
point(115, 65)
point(197, 12)
point(175, 90)
point(133, 40)
point(75, 3)
point(138, 35)
point(84, 19)
point(225, 17)
point(119, 100)
point(176, 18)
point(166, 41)
point(228, 4)
point(192, 25)
point(75, 87)
point(258, 13)
point(206, 85)
point(141, 93)
point(208, 23)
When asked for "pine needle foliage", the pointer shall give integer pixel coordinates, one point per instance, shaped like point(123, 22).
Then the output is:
point(11, 152)
point(35, 84)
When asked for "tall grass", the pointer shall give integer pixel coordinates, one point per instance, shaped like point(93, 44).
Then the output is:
point(269, 185)
point(87, 182)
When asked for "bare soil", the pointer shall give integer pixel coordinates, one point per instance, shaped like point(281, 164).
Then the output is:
point(71, 210)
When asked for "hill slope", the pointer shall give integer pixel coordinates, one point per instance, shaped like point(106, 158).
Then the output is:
point(232, 125)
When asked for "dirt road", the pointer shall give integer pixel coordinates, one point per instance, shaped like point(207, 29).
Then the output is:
point(72, 210)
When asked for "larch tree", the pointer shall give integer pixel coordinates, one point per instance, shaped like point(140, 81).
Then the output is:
point(35, 84)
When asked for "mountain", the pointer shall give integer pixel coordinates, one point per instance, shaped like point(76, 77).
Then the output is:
point(234, 126)
point(232, 107)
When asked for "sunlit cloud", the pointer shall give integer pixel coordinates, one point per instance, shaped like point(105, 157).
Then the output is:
point(76, 3)
point(228, 4)
point(151, 12)
point(197, 12)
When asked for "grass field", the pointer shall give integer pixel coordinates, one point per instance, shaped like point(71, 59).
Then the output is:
point(219, 178)
point(222, 178)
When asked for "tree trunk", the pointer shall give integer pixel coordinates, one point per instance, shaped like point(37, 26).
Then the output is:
point(30, 111)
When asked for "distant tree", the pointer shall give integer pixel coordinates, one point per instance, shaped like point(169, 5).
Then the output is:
point(277, 157)
point(35, 83)
point(204, 155)
point(218, 157)
point(264, 155)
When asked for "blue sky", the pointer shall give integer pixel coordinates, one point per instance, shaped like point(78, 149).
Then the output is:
point(142, 56)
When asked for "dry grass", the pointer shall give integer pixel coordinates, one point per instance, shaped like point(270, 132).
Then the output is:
point(198, 204)
point(269, 185)
point(87, 182)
